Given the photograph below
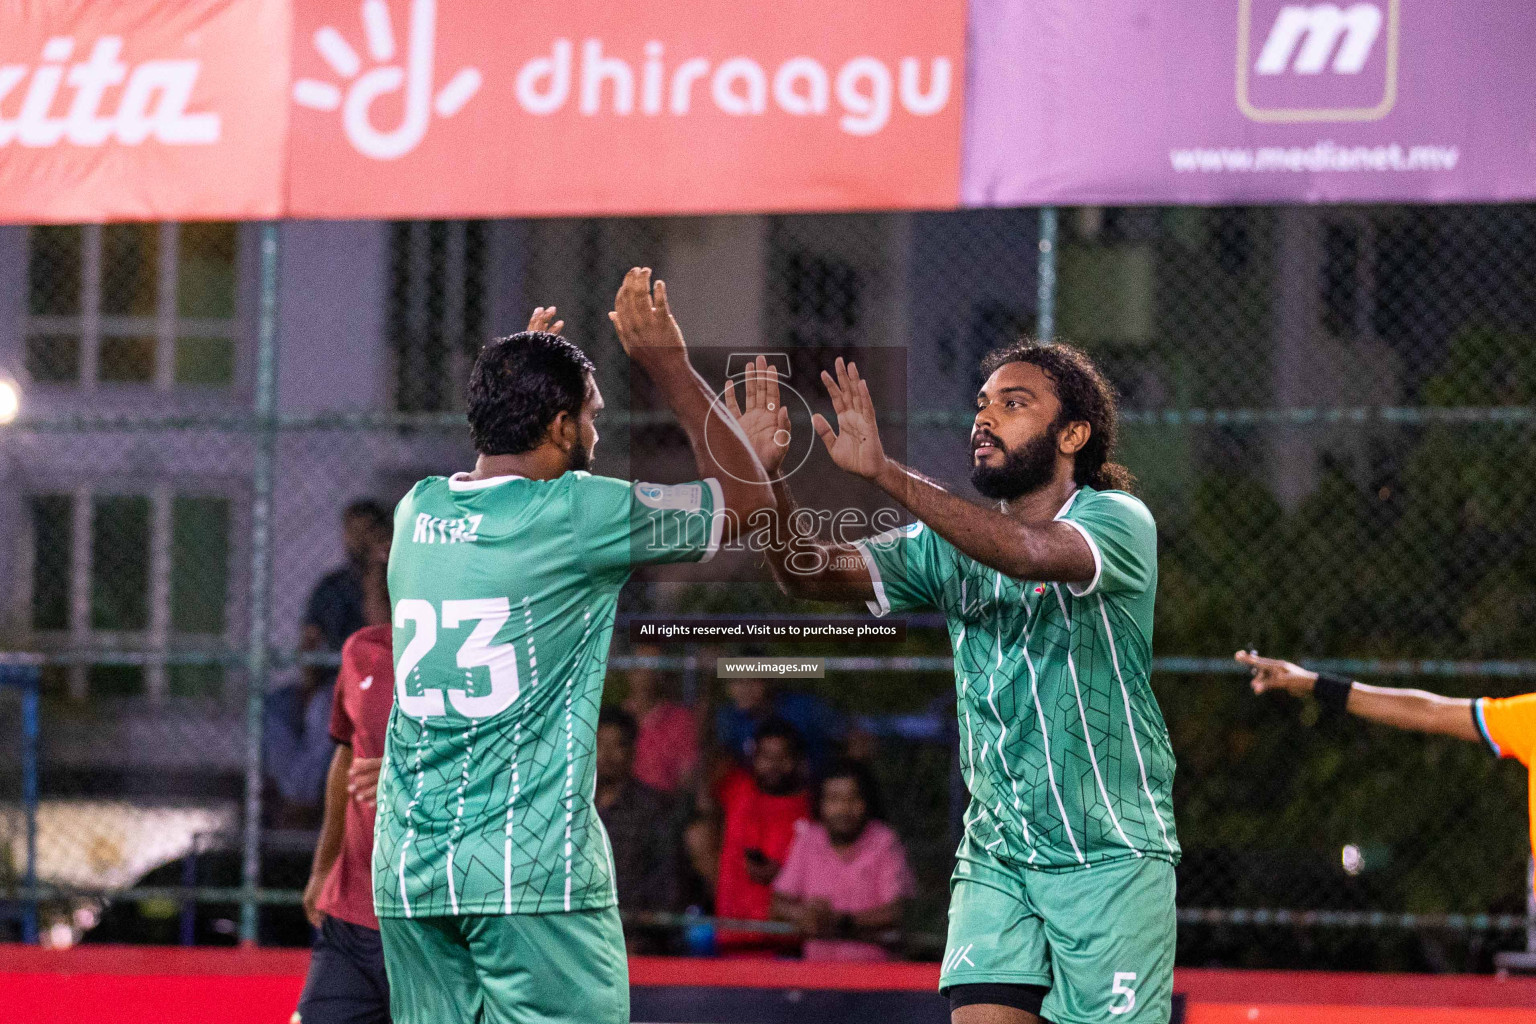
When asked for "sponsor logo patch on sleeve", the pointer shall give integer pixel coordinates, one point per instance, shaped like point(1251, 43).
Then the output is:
point(683, 497)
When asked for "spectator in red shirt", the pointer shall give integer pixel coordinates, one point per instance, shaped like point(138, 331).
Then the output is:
point(761, 811)
point(667, 744)
point(346, 982)
point(846, 877)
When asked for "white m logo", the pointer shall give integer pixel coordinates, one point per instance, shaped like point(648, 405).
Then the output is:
point(1315, 31)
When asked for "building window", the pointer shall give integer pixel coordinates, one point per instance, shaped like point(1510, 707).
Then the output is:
point(823, 301)
point(437, 304)
point(136, 572)
point(132, 304)
point(991, 325)
point(1346, 280)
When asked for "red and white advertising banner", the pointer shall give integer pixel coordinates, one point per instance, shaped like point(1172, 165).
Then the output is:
point(415, 108)
point(194, 109)
point(173, 109)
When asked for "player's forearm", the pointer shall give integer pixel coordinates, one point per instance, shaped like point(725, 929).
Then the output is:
point(725, 455)
point(810, 569)
point(333, 824)
point(1020, 550)
point(1413, 710)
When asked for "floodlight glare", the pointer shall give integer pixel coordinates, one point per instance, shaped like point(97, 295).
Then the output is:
point(10, 401)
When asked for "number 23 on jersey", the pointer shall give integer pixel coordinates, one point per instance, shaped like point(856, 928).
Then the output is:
point(477, 651)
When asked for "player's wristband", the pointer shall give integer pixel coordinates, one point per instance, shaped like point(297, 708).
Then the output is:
point(844, 927)
point(1332, 692)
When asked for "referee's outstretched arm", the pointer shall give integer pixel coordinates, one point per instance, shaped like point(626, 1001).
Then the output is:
point(1414, 710)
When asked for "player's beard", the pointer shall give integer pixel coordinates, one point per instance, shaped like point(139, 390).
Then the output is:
point(580, 460)
point(1024, 470)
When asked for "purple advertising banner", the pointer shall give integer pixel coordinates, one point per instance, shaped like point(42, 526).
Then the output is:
point(1236, 101)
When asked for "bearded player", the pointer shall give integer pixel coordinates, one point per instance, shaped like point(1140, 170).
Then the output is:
point(493, 877)
point(1062, 899)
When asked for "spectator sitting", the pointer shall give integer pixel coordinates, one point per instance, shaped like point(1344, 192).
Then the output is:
point(701, 861)
point(296, 733)
point(642, 827)
point(846, 877)
point(667, 744)
point(754, 701)
point(760, 811)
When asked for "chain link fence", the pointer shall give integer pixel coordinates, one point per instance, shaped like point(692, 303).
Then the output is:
point(1330, 410)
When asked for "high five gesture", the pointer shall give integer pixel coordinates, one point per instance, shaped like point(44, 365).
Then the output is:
point(765, 421)
point(855, 444)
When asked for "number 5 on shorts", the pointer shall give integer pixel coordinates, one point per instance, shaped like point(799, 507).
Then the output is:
point(1122, 987)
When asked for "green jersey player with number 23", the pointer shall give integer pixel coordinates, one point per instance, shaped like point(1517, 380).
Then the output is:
point(493, 877)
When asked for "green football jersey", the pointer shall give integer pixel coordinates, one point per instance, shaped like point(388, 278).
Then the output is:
point(1062, 744)
point(504, 593)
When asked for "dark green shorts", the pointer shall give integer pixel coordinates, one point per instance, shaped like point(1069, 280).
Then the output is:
point(1100, 938)
point(512, 969)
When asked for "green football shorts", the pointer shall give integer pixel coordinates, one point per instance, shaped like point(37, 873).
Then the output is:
point(1100, 938)
point(511, 969)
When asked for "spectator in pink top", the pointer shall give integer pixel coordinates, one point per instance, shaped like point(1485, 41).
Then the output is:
point(667, 747)
point(845, 879)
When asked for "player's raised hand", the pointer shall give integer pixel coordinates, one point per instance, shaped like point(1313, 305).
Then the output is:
point(644, 321)
point(543, 319)
point(1275, 674)
point(855, 444)
point(765, 420)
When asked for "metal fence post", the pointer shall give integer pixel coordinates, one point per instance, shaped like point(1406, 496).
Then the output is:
point(1530, 906)
point(30, 728)
point(21, 671)
point(257, 652)
point(1045, 277)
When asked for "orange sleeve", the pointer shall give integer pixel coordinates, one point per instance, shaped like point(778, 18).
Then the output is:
point(1508, 724)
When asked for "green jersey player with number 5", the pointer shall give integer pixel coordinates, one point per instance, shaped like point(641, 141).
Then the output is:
point(493, 877)
point(1062, 900)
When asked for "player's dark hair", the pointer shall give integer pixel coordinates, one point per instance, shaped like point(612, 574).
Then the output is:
point(1087, 396)
point(776, 727)
point(621, 720)
point(518, 386)
point(862, 777)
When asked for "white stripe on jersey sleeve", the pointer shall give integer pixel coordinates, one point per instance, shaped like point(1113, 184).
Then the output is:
point(1098, 561)
point(717, 513)
point(881, 605)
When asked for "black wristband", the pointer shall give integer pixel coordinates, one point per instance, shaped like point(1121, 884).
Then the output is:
point(844, 927)
point(1332, 692)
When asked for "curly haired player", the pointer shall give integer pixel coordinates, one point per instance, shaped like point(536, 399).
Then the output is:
point(1062, 900)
